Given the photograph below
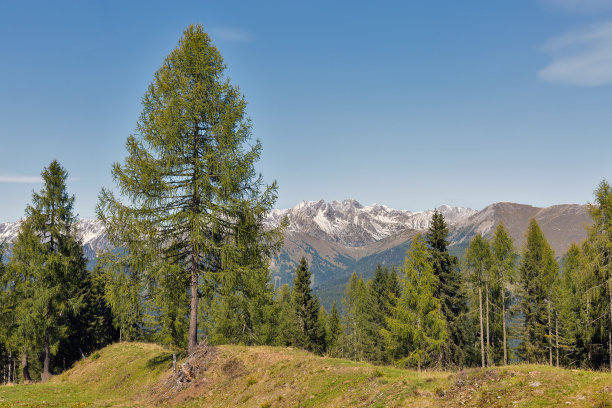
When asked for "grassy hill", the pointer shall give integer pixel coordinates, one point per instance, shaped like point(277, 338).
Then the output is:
point(140, 375)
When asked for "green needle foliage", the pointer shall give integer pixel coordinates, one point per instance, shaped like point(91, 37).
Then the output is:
point(478, 263)
point(503, 271)
point(47, 274)
point(334, 332)
point(417, 329)
point(193, 205)
point(310, 335)
point(598, 263)
point(538, 277)
point(459, 350)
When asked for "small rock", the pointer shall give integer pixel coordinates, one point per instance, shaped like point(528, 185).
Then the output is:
point(535, 384)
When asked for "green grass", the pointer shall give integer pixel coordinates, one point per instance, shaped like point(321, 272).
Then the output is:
point(136, 374)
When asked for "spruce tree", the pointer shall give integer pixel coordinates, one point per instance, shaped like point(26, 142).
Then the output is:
point(538, 272)
point(503, 267)
point(55, 283)
point(287, 322)
point(478, 262)
point(576, 331)
point(458, 349)
point(334, 332)
point(598, 259)
point(189, 181)
point(417, 329)
point(358, 316)
point(306, 305)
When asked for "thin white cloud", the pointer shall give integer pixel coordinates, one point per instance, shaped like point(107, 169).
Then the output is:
point(19, 179)
point(232, 34)
point(581, 58)
point(580, 6)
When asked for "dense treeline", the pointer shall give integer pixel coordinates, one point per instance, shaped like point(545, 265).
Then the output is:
point(190, 261)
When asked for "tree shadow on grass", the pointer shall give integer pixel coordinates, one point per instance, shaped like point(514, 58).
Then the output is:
point(165, 360)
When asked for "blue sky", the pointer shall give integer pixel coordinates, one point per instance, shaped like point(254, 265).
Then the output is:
point(409, 104)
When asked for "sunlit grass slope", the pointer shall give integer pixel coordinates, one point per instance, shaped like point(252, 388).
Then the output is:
point(138, 374)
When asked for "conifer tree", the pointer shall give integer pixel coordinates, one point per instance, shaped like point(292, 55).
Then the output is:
point(503, 269)
point(598, 257)
point(189, 180)
point(124, 286)
point(576, 331)
point(287, 322)
point(538, 273)
point(49, 266)
point(306, 305)
point(384, 289)
point(360, 329)
point(417, 329)
point(478, 262)
point(458, 349)
point(334, 332)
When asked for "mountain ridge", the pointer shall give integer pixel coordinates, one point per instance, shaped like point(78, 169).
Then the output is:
point(339, 238)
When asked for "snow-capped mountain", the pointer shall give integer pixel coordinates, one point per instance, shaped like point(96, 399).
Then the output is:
point(90, 232)
point(348, 223)
point(352, 224)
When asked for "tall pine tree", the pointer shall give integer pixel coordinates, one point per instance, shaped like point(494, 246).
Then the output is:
point(598, 258)
point(189, 177)
point(458, 350)
point(478, 262)
point(503, 268)
point(538, 273)
point(48, 269)
point(416, 329)
point(310, 334)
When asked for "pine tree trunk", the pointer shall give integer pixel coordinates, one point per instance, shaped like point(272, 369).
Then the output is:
point(488, 336)
point(9, 365)
point(193, 318)
point(482, 353)
point(549, 337)
point(504, 326)
point(25, 368)
point(45, 374)
point(557, 337)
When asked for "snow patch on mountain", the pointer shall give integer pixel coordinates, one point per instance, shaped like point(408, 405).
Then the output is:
point(352, 224)
point(347, 222)
point(89, 232)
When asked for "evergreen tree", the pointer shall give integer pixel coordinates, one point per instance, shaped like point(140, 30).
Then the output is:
point(576, 332)
point(7, 318)
point(306, 305)
point(503, 269)
point(360, 329)
point(538, 272)
point(334, 332)
point(598, 259)
point(49, 265)
point(323, 322)
point(287, 322)
point(458, 349)
point(189, 178)
point(417, 329)
point(25, 265)
point(124, 288)
point(478, 262)
point(384, 289)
